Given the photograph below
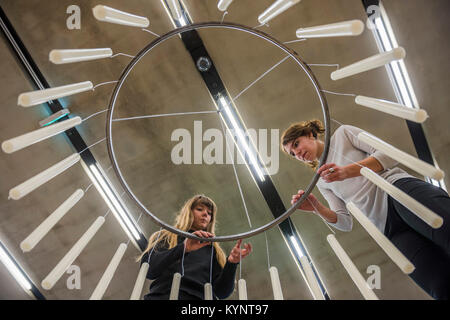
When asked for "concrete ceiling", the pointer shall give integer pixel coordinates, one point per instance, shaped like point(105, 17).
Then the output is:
point(166, 81)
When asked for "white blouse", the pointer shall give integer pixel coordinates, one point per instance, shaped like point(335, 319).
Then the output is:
point(345, 148)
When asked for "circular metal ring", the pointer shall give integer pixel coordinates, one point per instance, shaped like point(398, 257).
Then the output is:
point(242, 28)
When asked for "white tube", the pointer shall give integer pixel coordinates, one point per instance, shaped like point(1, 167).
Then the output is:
point(174, 290)
point(139, 284)
point(276, 285)
point(339, 29)
point(70, 256)
point(27, 139)
point(175, 8)
point(275, 9)
point(109, 273)
point(414, 163)
point(33, 239)
point(242, 289)
point(369, 63)
point(31, 184)
point(208, 291)
point(311, 279)
point(33, 98)
point(399, 259)
point(351, 269)
point(77, 55)
point(431, 218)
point(224, 4)
point(108, 14)
point(395, 109)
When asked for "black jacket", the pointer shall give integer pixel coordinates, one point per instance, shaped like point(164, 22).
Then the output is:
point(163, 263)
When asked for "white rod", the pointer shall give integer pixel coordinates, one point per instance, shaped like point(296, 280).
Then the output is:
point(395, 109)
point(109, 273)
point(175, 8)
point(369, 63)
point(224, 4)
point(174, 290)
point(33, 239)
point(242, 289)
point(339, 29)
point(108, 14)
point(311, 278)
point(76, 55)
point(70, 256)
point(399, 259)
point(31, 184)
point(431, 218)
point(276, 285)
point(27, 139)
point(275, 9)
point(408, 160)
point(351, 269)
point(139, 284)
point(208, 291)
point(34, 98)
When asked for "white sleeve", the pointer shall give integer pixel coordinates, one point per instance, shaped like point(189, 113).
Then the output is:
point(344, 219)
point(351, 134)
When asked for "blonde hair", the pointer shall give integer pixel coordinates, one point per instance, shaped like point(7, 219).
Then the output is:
point(303, 128)
point(184, 221)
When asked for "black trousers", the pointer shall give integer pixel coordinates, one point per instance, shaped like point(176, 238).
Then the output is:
point(181, 296)
point(427, 248)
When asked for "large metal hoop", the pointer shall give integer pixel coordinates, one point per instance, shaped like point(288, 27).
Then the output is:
point(257, 33)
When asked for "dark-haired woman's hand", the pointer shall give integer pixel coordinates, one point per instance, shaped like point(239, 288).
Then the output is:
point(330, 172)
point(309, 204)
point(193, 244)
point(237, 253)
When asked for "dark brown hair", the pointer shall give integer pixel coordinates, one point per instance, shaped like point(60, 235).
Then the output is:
point(303, 128)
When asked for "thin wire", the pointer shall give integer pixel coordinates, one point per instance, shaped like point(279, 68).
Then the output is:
point(260, 77)
point(236, 176)
point(240, 262)
point(182, 260)
point(153, 248)
point(267, 246)
point(91, 145)
point(163, 115)
point(103, 83)
point(93, 115)
point(318, 214)
point(223, 17)
point(146, 30)
point(298, 40)
point(106, 214)
point(210, 265)
point(340, 94)
point(122, 54)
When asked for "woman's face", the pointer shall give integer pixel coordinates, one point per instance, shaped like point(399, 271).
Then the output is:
point(304, 148)
point(202, 217)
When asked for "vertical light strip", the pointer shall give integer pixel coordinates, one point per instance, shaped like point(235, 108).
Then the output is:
point(385, 39)
point(13, 269)
point(113, 202)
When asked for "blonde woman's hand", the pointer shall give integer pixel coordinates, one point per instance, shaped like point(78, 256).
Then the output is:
point(309, 204)
point(237, 253)
point(330, 172)
point(193, 244)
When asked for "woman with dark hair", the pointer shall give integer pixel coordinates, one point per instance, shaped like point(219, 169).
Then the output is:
point(341, 182)
point(192, 258)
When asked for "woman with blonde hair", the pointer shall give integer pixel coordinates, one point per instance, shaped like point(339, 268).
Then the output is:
point(341, 182)
point(168, 253)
